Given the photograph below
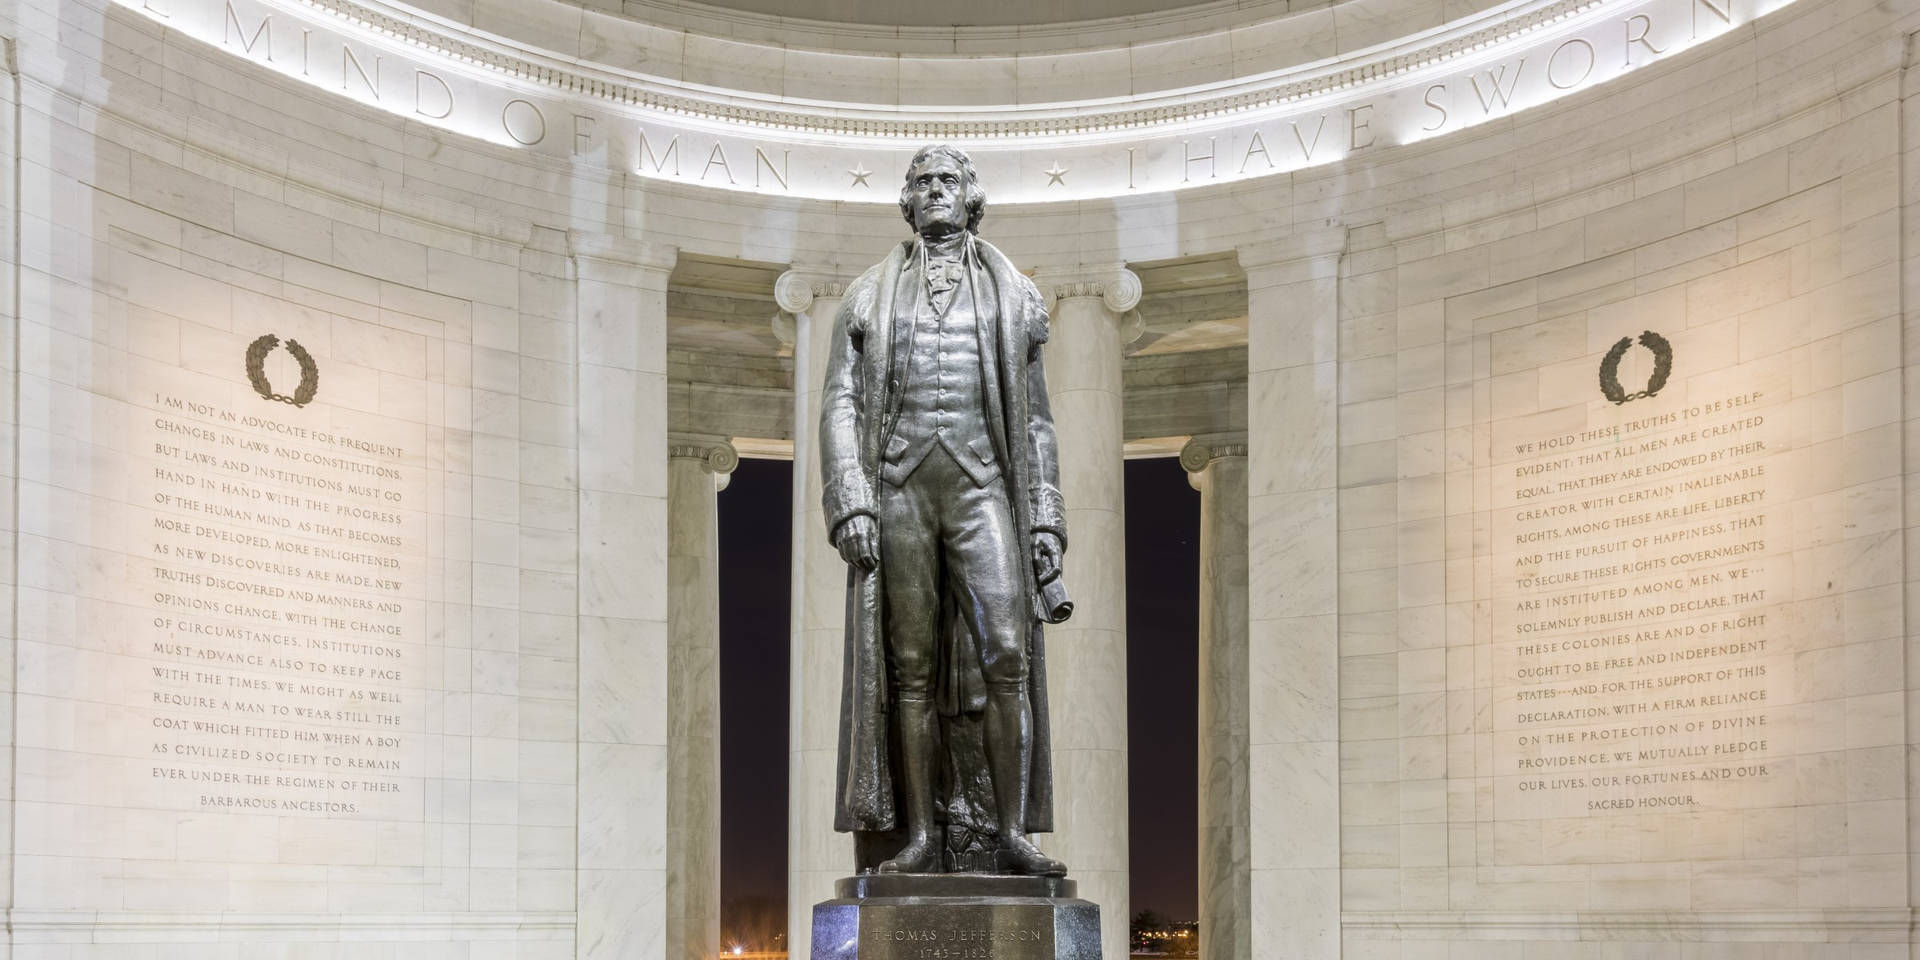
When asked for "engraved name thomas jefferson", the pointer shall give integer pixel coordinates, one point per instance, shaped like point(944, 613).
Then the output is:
point(942, 494)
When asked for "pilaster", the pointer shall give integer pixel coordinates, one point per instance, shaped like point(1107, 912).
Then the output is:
point(623, 784)
point(1293, 721)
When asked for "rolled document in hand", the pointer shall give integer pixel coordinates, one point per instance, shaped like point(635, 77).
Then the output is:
point(1054, 605)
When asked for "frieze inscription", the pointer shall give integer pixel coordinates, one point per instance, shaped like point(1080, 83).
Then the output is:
point(644, 131)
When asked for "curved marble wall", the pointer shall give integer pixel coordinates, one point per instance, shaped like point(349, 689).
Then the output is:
point(489, 329)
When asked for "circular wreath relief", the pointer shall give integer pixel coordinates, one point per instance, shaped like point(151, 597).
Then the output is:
point(257, 370)
point(1662, 367)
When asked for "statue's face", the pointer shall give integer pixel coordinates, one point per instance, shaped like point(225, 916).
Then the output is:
point(937, 195)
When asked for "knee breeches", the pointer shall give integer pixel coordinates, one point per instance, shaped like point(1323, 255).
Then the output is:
point(940, 535)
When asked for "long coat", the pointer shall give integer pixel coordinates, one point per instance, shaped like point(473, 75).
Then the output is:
point(859, 406)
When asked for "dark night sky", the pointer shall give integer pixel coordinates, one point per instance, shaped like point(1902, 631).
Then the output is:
point(1163, 516)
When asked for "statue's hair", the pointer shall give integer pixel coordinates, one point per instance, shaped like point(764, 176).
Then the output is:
point(976, 194)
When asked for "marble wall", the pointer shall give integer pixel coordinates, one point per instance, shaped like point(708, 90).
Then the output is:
point(1630, 668)
point(476, 491)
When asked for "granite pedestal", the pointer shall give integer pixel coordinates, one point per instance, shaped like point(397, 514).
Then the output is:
point(943, 916)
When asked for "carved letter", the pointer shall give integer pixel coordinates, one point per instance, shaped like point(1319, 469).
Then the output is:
point(1355, 125)
point(419, 75)
point(1504, 96)
point(1186, 151)
point(646, 153)
point(306, 50)
point(507, 125)
point(760, 158)
point(1724, 13)
point(1259, 146)
point(1305, 147)
point(347, 57)
point(717, 156)
point(148, 6)
point(246, 45)
point(1129, 168)
point(1591, 58)
point(582, 136)
point(1428, 99)
point(1646, 27)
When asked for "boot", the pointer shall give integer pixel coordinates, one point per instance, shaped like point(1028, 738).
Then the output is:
point(1009, 748)
point(915, 727)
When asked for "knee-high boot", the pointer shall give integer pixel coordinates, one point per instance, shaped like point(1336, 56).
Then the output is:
point(1009, 750)
point(914, 724)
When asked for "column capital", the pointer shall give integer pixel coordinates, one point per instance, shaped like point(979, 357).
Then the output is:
point(797, 288)
point(639, 263)
point(1203, 449)
point(716, 454)
point(1114, 284)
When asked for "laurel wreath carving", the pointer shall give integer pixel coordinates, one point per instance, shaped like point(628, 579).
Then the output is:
point(257, 370)
point(1662, 367)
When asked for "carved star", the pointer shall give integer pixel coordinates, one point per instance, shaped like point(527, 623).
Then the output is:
point(1056, 174)
point(860, 173)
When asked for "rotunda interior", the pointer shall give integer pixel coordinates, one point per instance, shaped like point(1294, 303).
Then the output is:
point(377, 368)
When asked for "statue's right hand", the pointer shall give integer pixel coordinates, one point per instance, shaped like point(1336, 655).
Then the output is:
point(859, 542)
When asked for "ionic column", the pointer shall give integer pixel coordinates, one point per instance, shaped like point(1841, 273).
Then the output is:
point(1217, 467)
point(1293, 667)
point(816, 855)
point(620, 312)
point(697, 470)
point(1087, 655)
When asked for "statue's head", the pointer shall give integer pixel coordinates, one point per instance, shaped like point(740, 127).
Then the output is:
point(942, 194)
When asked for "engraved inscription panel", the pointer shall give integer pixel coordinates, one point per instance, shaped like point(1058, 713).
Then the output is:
point(1641, 580)
point(280, 557)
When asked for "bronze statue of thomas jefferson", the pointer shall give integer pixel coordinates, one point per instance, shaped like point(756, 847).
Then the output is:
point(942, 493)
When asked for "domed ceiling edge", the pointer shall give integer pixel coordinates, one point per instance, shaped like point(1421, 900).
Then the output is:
point(929, 33)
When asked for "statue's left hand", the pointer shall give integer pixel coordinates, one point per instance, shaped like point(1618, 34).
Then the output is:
point(1046, 555)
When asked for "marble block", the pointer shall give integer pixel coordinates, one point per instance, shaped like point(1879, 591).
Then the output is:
point(937, 916)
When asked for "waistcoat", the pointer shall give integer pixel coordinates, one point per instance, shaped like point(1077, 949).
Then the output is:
point(942, 403)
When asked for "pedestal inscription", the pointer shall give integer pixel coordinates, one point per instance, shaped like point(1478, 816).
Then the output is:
point(279, 555)
point(1639, 568)
point(903, 916)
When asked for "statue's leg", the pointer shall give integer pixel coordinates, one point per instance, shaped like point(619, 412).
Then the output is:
point(986, 556)
point(908, 544)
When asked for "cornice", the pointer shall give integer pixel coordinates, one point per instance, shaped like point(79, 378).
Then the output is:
point(1144, 113)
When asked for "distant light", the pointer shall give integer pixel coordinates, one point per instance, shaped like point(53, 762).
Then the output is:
point(736, 949)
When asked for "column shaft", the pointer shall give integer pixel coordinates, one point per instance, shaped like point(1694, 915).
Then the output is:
point(1219, 471)
point(693, 698)
point(1087, 655)
point(816, 855)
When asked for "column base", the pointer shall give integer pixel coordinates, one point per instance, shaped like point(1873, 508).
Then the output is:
point(955, 916)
